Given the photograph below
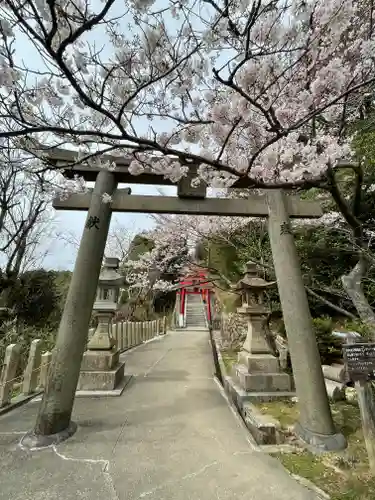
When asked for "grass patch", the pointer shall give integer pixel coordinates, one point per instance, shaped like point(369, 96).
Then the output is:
point(229, 359)
point(285, 412)
point(344, 475)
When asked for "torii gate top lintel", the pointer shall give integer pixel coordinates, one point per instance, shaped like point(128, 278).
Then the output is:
point(190, 200)
point(64, 159)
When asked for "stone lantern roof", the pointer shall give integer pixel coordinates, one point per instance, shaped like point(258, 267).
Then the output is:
point(252, 280)
point(109, 275)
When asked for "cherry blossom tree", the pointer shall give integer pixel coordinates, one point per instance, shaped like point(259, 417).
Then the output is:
point(253, 92)
point(158, 268)
point(155, 271)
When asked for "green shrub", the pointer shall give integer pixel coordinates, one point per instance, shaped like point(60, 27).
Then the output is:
point(359, 327)
point(330, 347)
point(34, 299)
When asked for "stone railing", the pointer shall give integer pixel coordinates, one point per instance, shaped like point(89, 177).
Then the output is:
point(15, 389)
point(129, 334)
point(31, 381)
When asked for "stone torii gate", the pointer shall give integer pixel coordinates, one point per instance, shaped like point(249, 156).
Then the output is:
point(315, 425)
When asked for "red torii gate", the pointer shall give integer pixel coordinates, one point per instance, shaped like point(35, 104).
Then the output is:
point(197, 282)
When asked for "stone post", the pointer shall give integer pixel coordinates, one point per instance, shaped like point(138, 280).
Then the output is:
point(154, 328)
point(141, 333)
point(46, 359)
point(120, 341)
point(138, 339)
point(31, 374)
point(129, 334)
point(55, 411)
point(158, 322)
point(8, 373)
point(128, 339)
point(124, 333)
point(132, 333)
point(315, 425)
point(164, 328)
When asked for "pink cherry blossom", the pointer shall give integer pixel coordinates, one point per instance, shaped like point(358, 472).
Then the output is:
point(261, 90)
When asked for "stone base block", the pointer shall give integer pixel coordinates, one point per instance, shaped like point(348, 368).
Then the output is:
point(262, 382)
point(239, 396)
point(107, 394)
point(100, 360)
point(263, 428)
point(265, 363)
point(101, 380)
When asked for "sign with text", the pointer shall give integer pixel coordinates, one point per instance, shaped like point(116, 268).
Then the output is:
point(360, 361)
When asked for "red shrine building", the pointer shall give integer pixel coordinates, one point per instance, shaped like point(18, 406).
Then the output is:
point(194, 286)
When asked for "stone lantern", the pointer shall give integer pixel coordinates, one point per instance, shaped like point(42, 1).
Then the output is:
point(106, 305)
point(258, 368)
point(252, 288)
point(101, 368)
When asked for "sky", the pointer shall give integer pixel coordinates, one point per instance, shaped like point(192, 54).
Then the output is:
point(59, 253)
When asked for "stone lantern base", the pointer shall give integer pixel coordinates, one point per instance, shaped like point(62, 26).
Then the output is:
point(102, 371)
point(261, 373)
point(258, 370)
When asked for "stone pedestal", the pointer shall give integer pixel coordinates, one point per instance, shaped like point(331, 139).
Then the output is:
point(102, 339)
point(255, 342)
point(257, 369)
point(101, 371)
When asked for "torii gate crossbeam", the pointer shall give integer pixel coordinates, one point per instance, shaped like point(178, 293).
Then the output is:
point(253, 206)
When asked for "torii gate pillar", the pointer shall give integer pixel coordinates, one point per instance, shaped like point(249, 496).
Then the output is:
point(53, 422)
point(315, 425)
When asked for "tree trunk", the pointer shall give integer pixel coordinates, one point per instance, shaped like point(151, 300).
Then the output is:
point(352, 284)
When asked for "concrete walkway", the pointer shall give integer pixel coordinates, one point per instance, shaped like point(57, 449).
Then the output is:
point(170, 436)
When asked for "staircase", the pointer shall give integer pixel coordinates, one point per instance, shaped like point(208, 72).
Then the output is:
point(195, 313)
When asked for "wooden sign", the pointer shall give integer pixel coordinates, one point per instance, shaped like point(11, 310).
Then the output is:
point(360, 361)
